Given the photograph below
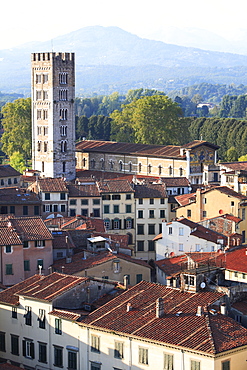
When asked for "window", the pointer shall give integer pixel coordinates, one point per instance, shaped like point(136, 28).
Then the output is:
point(140, 245)
point(226, 365)
point(45, 146)
point(28, 315)
point(2, 342)
point(9, 269)
point(116, 266)
point(95, 366)
point(128, 208)
point(39, 243)
point(36, 210)
point(151, 213)
point(198, 247)
point(62, 207)
point(128, 196)
point(63, 114)
point(162, 213)
point(138, 278)
point(72, 360)
point(2, 182)
point(58, 356)
point(102, 164)
point(14, 312)
point(160, 228)
point(42, 352)
point(130, 166)
point(96, 212)
point(25, 210)
point(159, 169)
point(180, 247)
point(116, 208)
point(128, 223)
point(63, 94)
point(26, 265)
point(38, 79)
point(84, 212)
point(168, 361)
point(204, 213)
point(106, 197)
point(14, 344)
point(96, 201)
point(118, 350)
point(92, 163)
point(151, 245)
point(140, 214)
point(47, 196)
point(151, 201)
point(41, 318)
point(120, 166)
point(84, 202)
point(149, 168)
point(73, 202)
point(45, 78)
point(243, 214)
point(95, 343)
point(180, 172)
point(170, 170)
point(204, 200)
point(195, 365)
point(64, 166)
point(63, 78)
point(140, 229)
point(116, 224)
point(143, 356)
point(116, 197)
point(63, 146)
point(8, 249)
point(25, 244)
point(181, 231)
point(28, 348)
point(106, 208)
point(45, 95)
point(140, 201)
point(188, 212)
point(140, 167)
point(151, 229)
point(107, 223)
point(38, 95)
point(58, 326)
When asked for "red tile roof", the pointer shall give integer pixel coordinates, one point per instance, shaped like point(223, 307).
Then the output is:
point(121, 239)
point(31, 228)
point(88, 190)
point(169, 151)
point(175, 181)
point(79, 263)
point(8, 296)
point(171, 266)
point(84, 223)
point(185, 199)
point(115, 186)
point(8, 235)
point(148, 190)
point(240, 306)
point(68, 315)
point(235, 260)
point(14, 195)
point(236, 166)
point(62, 240)
point(50, 287)
point(52, 185)
point(7, 171)
point(208, 333)
point(194, 144)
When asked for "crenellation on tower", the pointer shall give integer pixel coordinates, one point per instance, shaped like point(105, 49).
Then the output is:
point(53, 116)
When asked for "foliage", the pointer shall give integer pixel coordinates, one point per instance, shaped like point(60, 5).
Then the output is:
point(93, 128)
point(232, 154)
point(17, 161)
point(150, 120)
point(17, 128)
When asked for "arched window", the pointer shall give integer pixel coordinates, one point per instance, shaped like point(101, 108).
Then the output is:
point(107, 224)
point(149, 168)
point(170, 170)
point(84, 162)
point(160, 169)
point(111, 163)
point(102, 164)
point(63, 146)
point(130, 238)
point(92, 163)
point(39, 146)
point(130, 167)
point(120, 166)
point(140, 167)
point(180, 171)
point(63, 114)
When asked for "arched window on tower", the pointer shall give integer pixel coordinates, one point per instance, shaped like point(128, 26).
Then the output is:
point(170, 170)
point(140, 167)
point(160, 169)
point(120, 166)
point(63, 146)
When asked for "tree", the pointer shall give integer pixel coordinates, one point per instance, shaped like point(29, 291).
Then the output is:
point(243, 158)
point(151, 120)
point(232, 154)
point(17, 161)
point(17, 136)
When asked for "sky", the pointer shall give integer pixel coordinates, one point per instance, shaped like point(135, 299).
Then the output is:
point(28, 20)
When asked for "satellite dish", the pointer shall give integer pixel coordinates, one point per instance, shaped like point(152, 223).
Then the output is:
point(203, 285)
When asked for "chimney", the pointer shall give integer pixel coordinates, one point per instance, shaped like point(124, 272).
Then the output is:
point(199, 311)
point(125, 281)
point(159, 307)
point(223, 309)
point(129, 307)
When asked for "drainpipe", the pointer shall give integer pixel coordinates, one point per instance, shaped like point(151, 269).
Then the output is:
point(182, 360)
point(130, 353)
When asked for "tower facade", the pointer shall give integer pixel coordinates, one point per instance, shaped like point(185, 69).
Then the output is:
point(53, 116)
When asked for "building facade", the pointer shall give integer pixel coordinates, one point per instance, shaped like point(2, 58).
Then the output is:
point(53, 117)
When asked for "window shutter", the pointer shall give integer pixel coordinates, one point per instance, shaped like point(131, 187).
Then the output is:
point(132, 223)
point(112, 224)
point(120, 221)
point(124, 224)
point(32, 349)
point(24, 348)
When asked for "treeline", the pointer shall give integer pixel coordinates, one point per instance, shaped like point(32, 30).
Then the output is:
point(228, 133)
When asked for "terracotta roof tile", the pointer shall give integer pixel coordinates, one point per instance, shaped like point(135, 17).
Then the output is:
point(9, 296)
point(185, 199)
point(175, 181)
point(62, 240)
point(31, 228)
point(115, 186)
point(79, 263)
point(8, 235)
point(68, 315)
point(150, 191)
point(52, 185)
point(207, 333)
point(241, 306)
point(236, 166)
point(14, 195)
point(7, 171)
point(88, 190)
point(196, 143)
point(235, 260)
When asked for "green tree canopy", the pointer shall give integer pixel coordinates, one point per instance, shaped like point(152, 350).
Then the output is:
point(17, 161)
point(150, 120)
point(17, 136)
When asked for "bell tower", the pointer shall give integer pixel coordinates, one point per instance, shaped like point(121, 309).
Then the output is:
point(53, 116)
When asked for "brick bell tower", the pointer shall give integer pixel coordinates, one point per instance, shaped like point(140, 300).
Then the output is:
point(53, 116)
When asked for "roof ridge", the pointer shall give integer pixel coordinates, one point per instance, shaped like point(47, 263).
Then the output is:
point(210, 334)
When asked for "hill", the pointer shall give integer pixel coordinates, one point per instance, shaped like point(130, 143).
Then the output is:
point(109, 59)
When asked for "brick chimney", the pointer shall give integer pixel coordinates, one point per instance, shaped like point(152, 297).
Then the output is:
point(159, 307)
